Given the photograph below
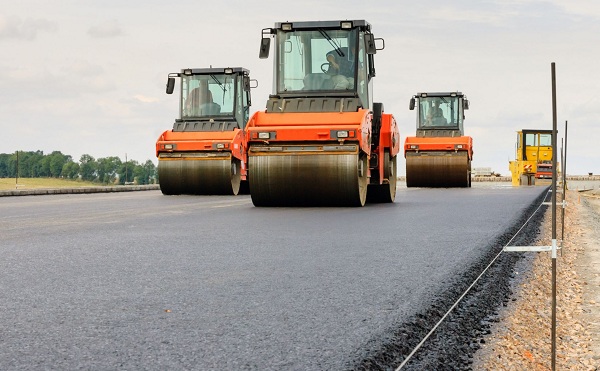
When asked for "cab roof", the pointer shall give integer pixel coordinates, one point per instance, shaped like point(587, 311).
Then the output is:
point(360, 23)
point(449, 94)
point(213, 71)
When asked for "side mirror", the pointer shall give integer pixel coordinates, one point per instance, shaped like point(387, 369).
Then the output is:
point(265, 44)
point(411, 105)
point(371, 65)
point(170, 85)
point(370, 44)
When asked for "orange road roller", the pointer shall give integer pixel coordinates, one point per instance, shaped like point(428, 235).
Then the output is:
point(440, 154)
point(321, 141)
point(205, 152)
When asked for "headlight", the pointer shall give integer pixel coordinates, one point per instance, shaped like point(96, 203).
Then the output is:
point(342, 134)
point(220, 146)
point(264, 135)
point(414, 146)
point(459, 146)
point(169, 146)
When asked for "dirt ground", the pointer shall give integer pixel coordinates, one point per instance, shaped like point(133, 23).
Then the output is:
point(521, 340)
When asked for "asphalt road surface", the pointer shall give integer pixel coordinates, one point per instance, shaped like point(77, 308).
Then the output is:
point(145, 281)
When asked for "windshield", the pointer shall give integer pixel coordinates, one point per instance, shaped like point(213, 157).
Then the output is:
point(440, 112)
point(537, 139)
point(207, 95)
point(546, 140)
point(319, 60)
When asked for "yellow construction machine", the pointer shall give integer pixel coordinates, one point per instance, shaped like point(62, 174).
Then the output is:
point(533, 163)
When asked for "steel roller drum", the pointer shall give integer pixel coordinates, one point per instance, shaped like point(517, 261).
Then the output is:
point(317, 175)
point(386, 192)
point(438, 169)
point(199, 173)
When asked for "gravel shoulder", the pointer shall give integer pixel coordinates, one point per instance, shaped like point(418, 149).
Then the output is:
point(521, 340)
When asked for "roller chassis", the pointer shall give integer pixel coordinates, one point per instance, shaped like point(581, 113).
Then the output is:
point(321, 170)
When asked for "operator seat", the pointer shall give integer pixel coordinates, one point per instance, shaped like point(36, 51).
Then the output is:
point(317, 81)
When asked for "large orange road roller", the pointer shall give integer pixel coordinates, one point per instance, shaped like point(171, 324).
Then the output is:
point(440, 154)
point(321, 141)
point(205, 152)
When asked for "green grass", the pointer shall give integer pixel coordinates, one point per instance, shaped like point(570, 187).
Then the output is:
point(31, 183)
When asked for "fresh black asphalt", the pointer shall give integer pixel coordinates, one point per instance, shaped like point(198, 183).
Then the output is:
point(139, 280)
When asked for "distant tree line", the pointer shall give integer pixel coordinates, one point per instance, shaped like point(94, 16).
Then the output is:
point(106, 170)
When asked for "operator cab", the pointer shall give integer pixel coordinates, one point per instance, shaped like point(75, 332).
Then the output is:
point(439, 114)
point(320, 60)
point(212, 99)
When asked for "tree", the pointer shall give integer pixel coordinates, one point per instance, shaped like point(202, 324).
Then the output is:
point(4, 168)
point(108, 168)
point(30, 164)
point(35, 164)
point(70, 170)
point(12, 165)
point(87, 167)
point(56, 163)
point(144, 174)
point(126, 171)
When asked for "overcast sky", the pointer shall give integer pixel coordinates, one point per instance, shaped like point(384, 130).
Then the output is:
point(88, 77)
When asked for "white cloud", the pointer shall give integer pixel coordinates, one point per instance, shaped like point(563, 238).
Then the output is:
point(24, 29)
point(496, 17)
point(145, 99)
point(586, 8)
point(84, 89)
point(107, 29)
point(54, 83)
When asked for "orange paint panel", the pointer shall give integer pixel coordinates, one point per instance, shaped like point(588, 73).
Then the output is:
point(223, 136)
point(438, 143)
point(203, 141)
point(326, 119)
point(311, 126)
point(303, 133)
point(389, 136)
